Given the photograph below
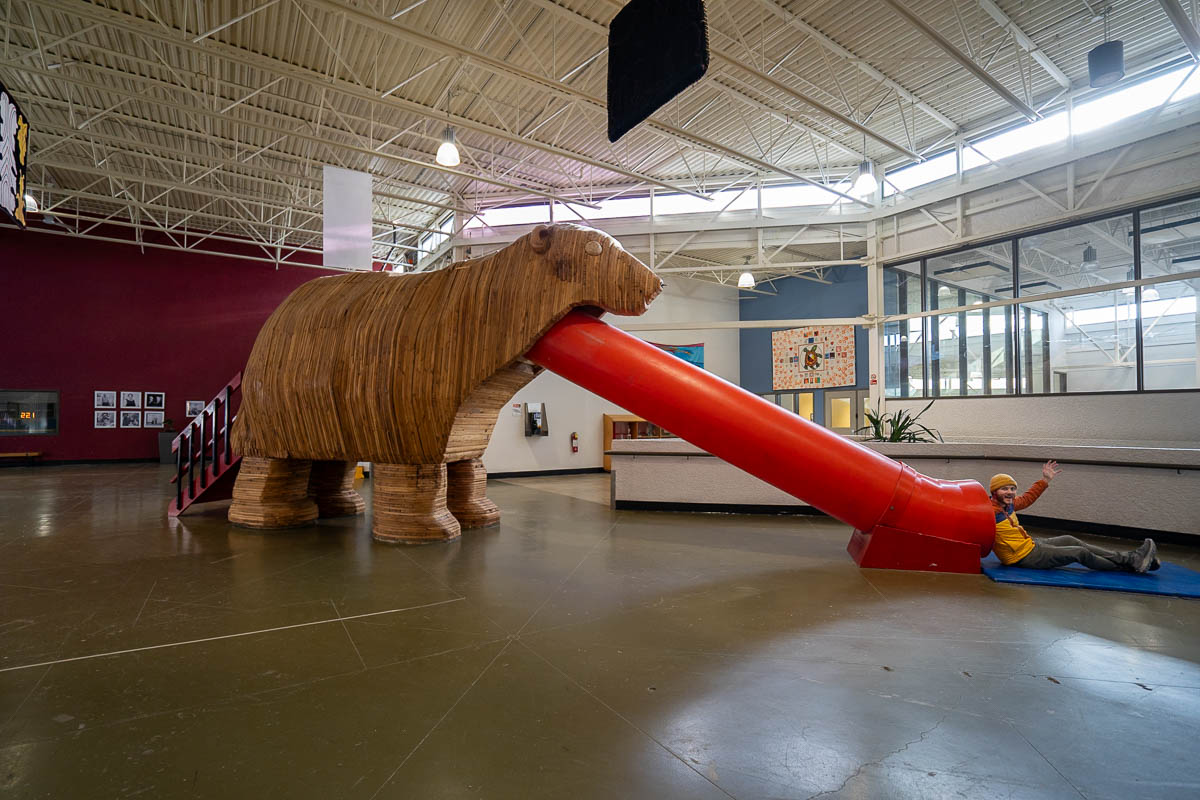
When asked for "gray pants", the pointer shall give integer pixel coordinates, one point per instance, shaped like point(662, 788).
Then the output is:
point(1058, 551)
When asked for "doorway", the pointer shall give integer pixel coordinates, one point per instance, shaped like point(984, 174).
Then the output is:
point(846, 411)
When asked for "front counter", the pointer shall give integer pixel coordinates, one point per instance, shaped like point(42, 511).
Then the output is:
point(1146, 488)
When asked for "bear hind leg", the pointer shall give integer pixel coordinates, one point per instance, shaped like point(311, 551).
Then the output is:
point(331, 486)
point(272, 493)
point(409, 504)
point(466, 494)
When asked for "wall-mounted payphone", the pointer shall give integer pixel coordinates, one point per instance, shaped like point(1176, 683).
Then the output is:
point(535, 420)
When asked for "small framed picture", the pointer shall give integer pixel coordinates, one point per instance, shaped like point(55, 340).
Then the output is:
point(107, 419)
point(131, 419)
point(105, 400)
point(156, 400)
point(195, 407)
point(152, 419)
point(131, 400)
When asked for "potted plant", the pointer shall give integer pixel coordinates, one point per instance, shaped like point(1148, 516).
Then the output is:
point(901, 426)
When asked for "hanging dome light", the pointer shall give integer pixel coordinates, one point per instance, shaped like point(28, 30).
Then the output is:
point(31, 206)
point(865, 184)
point(447, 154)
point(1149, 294)
point(745, 281)
point(1106, 61)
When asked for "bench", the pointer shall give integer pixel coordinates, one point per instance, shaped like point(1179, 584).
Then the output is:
point(28, 456)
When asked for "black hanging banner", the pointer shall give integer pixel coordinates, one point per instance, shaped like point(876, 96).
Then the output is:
point(14, 147)
point(656, 49)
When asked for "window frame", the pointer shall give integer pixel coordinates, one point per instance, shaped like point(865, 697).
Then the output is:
point(1013, 309)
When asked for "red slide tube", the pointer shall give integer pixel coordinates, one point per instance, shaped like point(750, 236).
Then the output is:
point(830, 472)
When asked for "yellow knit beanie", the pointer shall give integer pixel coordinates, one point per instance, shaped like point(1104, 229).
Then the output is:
point(1000, 480)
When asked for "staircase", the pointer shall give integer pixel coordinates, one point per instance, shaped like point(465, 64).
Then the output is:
point(205, 466)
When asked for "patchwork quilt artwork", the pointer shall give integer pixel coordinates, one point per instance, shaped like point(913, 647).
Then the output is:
point(813, 358)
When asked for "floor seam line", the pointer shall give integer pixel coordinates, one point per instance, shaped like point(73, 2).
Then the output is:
point(226, 636)
point(1048, 761)
point(441, 719)
point(149, 594)
point(348, 636)
point(625, 719)
point(571, 574)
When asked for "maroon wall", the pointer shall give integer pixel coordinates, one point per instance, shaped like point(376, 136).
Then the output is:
point(79, 316)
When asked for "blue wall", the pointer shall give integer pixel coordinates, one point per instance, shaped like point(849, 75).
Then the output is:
point(845, 296)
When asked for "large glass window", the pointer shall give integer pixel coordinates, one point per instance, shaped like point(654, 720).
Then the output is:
point(1092, 254)
point(1170, 327)
point(1086, 343)
point(971, 351)
point(903, 341)
point(25, 413)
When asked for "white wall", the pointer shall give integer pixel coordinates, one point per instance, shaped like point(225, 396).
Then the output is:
point(1165, 419)
point(570, 408)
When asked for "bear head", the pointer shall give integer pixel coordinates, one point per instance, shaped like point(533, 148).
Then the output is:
point(602, 276)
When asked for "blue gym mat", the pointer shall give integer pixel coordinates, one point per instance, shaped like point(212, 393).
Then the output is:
point(1170, 579)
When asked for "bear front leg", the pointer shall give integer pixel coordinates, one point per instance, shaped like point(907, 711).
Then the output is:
point(409, 504)
point(331, 486)
point(272, 493)
point(466, 494)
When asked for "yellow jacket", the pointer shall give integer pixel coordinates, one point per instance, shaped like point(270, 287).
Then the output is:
point(1012, 542)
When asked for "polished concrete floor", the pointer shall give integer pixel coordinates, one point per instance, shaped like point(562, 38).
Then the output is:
point(571, 652)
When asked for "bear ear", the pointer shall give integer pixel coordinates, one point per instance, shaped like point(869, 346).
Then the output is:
point(539, 240)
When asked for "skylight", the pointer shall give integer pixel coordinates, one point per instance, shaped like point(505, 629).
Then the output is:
point(1172, 87)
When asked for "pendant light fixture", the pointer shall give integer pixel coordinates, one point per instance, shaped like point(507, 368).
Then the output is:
point(745, 281)
point(447, 154)
point(865, 184)
point(1106, 61)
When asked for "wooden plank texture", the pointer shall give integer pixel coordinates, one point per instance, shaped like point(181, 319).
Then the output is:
point(414, 369)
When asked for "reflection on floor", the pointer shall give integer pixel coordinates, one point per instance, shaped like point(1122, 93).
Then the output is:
point(582, 487)
point(572, 651)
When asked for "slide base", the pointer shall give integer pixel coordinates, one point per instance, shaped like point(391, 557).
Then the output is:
point(891, 548)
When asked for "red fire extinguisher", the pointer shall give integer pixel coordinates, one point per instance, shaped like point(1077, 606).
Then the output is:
point(574, 442)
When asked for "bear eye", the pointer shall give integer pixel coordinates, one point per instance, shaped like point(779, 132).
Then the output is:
point(593, 248)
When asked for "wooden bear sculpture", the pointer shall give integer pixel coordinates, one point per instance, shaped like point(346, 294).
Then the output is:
point(410, 373)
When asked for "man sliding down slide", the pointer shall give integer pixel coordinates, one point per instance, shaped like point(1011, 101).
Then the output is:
point(1014, 547)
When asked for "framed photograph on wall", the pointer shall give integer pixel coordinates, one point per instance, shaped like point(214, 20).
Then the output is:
point(131, 399)
point(152, 419)
point(156, 400)
point(104, 400)
point(131, 419)
point(194, 407)
point(107, 419)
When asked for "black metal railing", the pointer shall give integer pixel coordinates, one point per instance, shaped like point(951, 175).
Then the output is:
point(203, 448)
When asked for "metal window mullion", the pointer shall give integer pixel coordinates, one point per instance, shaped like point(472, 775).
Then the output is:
point(934, 337)
point(1045, 352)
point(902, 344)
point(987, 351)
point(1137, 275)
point(1027, 350)
point(925, 354)
point(1015, 317)
point(963, 371)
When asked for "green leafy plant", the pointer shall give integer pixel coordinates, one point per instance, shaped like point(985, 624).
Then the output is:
point(902, 426)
